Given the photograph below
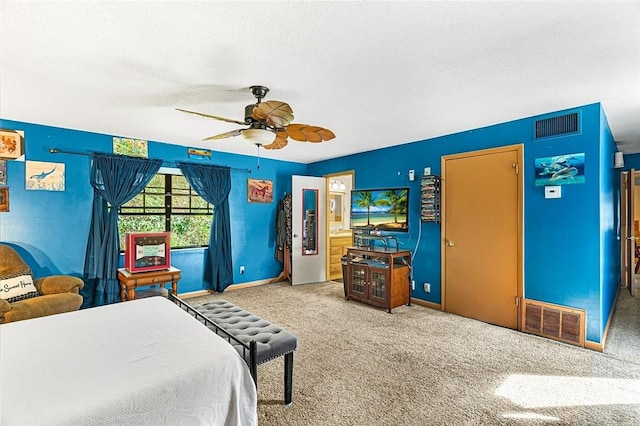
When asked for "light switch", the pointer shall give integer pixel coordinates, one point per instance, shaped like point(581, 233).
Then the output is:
point(553, 191)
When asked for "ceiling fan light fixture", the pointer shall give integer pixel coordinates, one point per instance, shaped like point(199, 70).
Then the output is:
point(259, 137)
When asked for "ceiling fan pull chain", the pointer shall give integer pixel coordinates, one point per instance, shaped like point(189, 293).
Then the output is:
point(258, 145)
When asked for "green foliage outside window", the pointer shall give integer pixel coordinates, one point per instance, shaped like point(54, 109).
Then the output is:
point(168, 204)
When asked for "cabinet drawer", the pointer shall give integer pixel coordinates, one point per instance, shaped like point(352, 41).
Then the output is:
point(341, 241)
point(335, 269)
point(335, 249)
point(159, 279)
point(335, 259)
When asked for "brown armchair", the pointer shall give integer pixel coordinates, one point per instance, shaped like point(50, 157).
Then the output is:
point(56, 293)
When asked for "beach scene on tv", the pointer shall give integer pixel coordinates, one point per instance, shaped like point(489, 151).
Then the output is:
point(383, 209)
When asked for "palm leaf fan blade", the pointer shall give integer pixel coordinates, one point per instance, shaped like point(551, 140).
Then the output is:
point(305, 132)
point(278, 143)
point(326, 134)
point(215, 117)
point(276, 113)
point(224, 135)
point(295, 133)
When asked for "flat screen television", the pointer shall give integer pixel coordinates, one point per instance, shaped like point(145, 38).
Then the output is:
point(383, 209)
point(147, 251)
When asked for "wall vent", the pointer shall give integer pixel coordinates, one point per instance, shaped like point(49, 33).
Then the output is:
point(553, 321)
point(555, 126)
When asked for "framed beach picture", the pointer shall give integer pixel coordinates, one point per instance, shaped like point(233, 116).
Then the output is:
point(44, 176)
point(199, 154)
point(11, 143)
point(259, 191)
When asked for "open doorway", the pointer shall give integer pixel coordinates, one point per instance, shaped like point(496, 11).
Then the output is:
point(630, 231)
point(338, 208)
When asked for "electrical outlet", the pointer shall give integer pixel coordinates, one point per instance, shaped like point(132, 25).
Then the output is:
point(427, 287)
point(412, 175)
point(413, 284)
point(242, 269)
point(427, 171)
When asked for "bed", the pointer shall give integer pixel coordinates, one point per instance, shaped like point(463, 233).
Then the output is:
point(143, 362)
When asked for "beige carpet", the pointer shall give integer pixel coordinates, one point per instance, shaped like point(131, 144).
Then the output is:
point(359, 365)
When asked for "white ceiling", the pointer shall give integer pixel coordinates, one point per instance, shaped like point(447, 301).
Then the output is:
point(376, 73)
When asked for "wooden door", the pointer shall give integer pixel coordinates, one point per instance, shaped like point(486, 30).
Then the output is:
point(626, 266)
point(482, 235)
point(628, 232)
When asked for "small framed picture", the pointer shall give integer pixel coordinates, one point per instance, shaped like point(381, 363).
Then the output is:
point(3, 172)
point(259, 191)
point(11, 143)
point(4, 199)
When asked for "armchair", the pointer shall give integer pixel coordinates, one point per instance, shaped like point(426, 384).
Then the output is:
point(52, 295)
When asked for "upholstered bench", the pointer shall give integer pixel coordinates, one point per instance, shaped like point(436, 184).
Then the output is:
point(256, 340)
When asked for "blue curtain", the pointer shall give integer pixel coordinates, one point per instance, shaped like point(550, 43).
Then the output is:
point(115, 180)
point(213, 183)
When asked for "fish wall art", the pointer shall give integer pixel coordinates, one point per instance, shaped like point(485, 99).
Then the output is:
point(560, 169)
point(44, 176)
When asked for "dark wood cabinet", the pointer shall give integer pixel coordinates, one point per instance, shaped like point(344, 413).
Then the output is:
point(379, 276)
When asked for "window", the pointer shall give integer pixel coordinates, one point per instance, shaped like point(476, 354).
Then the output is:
point(168, 203)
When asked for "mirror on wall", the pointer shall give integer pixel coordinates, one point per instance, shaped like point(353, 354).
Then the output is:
point(336, 201)
point(309, 222)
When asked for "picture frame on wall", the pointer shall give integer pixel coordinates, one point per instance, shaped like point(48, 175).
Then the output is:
point(44, 176)
point(3, 172)
point(11, 144)
point(4, 199)
point(560, 169)
point(259, 191)
point(131, 147)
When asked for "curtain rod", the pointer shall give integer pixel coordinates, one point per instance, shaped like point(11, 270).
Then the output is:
point(164, 162)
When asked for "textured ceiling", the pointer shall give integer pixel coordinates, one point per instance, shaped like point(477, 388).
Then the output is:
point(376, 73)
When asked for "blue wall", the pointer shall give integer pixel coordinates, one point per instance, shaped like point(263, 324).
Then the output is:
point(569, 254)
point(571, 250)
point(53, 226)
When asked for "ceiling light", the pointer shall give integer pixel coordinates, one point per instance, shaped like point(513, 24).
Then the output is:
point(259, 137)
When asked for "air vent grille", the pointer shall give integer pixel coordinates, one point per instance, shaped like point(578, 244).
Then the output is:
point(554, 126)
point(555, 322)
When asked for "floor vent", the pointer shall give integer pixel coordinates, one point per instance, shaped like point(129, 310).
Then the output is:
point(555, 126)
point(553, 321)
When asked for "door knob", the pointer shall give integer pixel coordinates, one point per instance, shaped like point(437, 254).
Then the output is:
point(449, 243)
point(295, 235)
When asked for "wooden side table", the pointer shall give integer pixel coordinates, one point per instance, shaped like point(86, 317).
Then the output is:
point(129, 282)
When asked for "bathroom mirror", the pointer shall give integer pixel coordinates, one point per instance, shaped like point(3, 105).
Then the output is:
point(336, 200)
point(309, 222)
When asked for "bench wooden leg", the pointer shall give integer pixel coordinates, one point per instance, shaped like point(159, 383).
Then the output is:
point(288, 378)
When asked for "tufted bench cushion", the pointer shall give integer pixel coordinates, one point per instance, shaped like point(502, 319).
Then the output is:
point(255, 339)
point(272, 341)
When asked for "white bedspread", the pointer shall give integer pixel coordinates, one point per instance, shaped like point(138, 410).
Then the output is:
point(144, 362)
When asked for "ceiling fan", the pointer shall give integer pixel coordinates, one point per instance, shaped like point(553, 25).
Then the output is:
point(269, 124)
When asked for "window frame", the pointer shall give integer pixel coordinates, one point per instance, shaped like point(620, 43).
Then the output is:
point(167, 210)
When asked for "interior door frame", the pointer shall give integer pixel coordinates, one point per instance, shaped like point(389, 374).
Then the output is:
point(327, 177)
point(520, 231)
point(627, 232)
